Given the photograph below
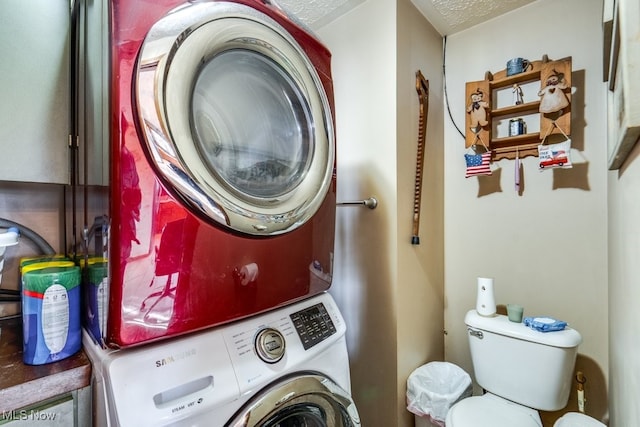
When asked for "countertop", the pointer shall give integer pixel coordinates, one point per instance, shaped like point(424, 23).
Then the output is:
point(23, 385)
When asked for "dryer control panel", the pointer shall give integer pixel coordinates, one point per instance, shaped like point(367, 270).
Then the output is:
point(313, 325)
point(308, 333)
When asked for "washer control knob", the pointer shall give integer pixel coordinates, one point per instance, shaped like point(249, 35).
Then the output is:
point(270, 345)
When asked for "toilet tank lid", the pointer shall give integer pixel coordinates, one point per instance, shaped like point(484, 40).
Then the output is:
point(500, 324)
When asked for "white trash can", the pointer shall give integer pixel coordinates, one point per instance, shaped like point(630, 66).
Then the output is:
point(434, 388)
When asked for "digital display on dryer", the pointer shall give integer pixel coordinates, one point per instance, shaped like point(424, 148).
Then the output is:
point(313, 325)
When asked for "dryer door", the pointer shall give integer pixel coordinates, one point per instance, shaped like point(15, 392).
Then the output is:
point(235, 117)
point(311, 400)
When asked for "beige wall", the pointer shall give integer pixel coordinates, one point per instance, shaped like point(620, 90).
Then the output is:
point(389, 291)
point(624, 292)
point(546, 249)
point(363, 66)
point(420, 282)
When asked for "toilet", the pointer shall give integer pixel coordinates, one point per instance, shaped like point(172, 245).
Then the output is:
point(576, 419)
point(522, 371)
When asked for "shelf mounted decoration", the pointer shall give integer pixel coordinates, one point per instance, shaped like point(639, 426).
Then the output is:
point(553, 105)
point(525, 141)
point(478, 162)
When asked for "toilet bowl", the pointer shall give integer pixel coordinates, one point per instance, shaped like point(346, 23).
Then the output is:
point(493, 411)
point(576, 419)
point(489, 410)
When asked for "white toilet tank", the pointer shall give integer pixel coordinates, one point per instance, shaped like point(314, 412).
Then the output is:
point(513, 361)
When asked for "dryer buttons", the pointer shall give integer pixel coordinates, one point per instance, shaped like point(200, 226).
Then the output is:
point(270, 345)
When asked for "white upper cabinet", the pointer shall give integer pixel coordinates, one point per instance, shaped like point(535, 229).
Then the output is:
point(34, 90)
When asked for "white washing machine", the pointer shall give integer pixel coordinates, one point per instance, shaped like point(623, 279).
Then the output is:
point(288, 367)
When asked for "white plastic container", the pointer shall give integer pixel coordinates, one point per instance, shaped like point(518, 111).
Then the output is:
point(486, 300)
point(8, 238)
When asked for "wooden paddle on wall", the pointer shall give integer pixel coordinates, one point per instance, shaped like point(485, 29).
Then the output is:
point(422, 87)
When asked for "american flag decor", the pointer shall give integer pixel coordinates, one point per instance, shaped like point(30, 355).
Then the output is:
point(478, 164)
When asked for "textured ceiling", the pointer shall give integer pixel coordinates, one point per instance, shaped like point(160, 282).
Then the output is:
point(447, 16)
point(451, 16)
point(316, 13)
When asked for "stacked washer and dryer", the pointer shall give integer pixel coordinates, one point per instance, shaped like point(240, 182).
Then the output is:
point(207, 151)
point(285, 368)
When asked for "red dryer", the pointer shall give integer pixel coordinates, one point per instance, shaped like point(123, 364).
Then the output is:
point(218, 116)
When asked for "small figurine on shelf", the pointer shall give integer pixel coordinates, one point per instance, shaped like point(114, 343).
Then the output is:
point(553, 97)
point(517, 94)
point(477, 110)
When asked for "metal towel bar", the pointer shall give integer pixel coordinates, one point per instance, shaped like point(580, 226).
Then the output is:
point(370, 203)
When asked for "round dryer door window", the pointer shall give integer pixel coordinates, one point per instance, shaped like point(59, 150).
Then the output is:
point(311, 400)
point(235, 117)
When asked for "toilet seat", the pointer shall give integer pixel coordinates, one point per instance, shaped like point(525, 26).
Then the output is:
point(491, 411)
point(576, 419)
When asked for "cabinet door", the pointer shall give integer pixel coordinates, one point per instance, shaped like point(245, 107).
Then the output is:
point(34, 90)
point(68, 410)
point(55, 414)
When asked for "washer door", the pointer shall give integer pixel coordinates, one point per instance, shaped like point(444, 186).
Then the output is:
point(235, 117)
point(310, 400)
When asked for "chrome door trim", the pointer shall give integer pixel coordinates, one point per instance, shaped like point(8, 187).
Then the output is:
point(303, 388)
point(166, 68)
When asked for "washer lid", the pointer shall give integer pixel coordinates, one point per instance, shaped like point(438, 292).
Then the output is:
point(575, 419)
point(491, 411)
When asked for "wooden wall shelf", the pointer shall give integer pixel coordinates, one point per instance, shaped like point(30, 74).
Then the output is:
point(500, 79)
point(526, 144)
point(516, 140)
point(513, 110)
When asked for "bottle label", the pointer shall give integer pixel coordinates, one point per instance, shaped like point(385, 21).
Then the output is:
point(103, 300)
point(55, 317)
